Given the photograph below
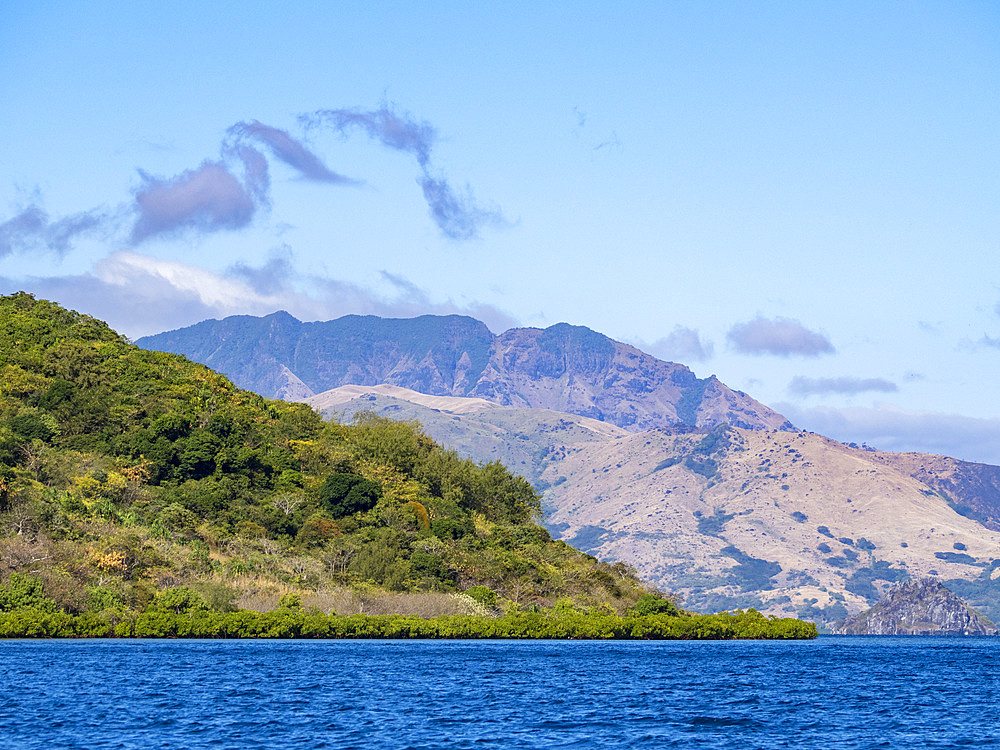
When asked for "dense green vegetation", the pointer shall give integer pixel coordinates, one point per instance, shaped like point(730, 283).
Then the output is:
point(139, 488)
point(285, 623)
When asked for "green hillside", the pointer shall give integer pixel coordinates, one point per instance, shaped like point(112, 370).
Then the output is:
point(134, 481)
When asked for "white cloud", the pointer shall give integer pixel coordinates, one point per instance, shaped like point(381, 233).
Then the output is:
point(226, 295)
point(139, 294)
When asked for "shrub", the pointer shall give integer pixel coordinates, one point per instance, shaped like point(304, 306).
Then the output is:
point(707, 467)
point(482, 594)
point(250, 530)
point(429, 566)
point(956, 557)
point(179, 600)
point(451, 528)
point(712, 525)
point(317, 530)
point(179, 520)
point(218, 596)
point(652, 604)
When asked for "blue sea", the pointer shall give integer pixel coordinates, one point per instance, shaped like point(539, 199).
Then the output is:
point(828, 693)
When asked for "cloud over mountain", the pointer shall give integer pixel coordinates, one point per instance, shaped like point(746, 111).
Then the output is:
point(139, 294)
point(782, 337)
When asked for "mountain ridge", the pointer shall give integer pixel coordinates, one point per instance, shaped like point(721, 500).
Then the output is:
point(563, 367)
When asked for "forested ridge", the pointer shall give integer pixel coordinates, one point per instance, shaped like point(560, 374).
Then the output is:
point(143, 494)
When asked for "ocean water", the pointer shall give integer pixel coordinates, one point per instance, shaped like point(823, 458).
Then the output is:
point(828, 693)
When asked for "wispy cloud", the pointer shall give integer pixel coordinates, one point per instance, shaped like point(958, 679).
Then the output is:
point(400, 132)
point(288, 150)
point(212, 197)
point(893, 429)
point(611, 143)
point(803, 386)
point(227, 193)
point(681, 345)
point(32, 230)
point(458, 217)
point(782, 337)
point(990, 341)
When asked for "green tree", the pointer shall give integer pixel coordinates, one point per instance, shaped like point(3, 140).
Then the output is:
point(346, 494)
point(652, 604)
point(24, 592)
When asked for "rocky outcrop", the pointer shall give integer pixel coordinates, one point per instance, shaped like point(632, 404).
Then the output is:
point(564, 368)
point(922, 607)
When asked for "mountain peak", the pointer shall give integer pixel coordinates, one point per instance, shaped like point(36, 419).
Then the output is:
point(282, 315)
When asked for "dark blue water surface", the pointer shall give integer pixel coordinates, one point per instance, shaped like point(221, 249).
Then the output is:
point(828, 693)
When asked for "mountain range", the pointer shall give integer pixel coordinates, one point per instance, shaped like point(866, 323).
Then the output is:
point(708, 493)
point(564, 368)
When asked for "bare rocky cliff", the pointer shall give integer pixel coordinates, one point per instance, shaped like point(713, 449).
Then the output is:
point(922, 607)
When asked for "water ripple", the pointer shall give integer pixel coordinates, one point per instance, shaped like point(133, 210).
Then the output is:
point(832, 692)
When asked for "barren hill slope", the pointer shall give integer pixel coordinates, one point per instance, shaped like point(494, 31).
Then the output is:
point(784, 522)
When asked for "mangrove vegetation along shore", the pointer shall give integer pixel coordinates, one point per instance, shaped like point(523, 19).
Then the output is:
point(284, 623)
point(136, 484)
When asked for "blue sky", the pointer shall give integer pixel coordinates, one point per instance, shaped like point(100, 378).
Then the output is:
point(801, 198)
